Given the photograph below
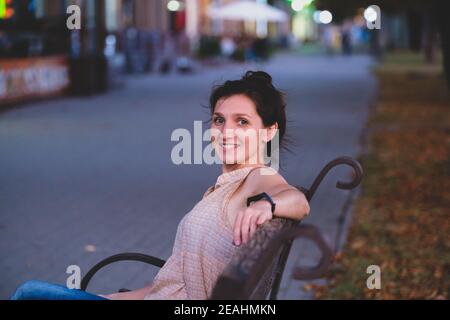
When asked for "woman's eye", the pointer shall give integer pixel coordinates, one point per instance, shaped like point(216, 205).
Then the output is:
point(218, 120)
point(242, 122)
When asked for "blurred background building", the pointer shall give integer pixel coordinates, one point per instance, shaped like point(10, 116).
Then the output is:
point(40, 56)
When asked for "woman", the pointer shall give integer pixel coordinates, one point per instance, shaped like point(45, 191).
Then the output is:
point(247, 114)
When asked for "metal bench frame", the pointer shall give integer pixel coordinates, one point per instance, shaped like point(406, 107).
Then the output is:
point(255, 272)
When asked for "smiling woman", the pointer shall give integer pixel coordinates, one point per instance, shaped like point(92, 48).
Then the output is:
point(251, 104)
point(239, 138)
point(210, 234)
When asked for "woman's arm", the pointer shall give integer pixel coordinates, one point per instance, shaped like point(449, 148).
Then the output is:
point(290, 203)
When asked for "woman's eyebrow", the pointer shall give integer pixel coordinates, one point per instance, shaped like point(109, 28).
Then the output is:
point(234, 114)
point(241, 114)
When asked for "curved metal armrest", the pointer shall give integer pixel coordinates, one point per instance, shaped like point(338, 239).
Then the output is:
point(357, 176)
point(327, 254)
point(292, 233)
point(128, 256)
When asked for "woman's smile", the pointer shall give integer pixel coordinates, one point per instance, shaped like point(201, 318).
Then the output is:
point(229, 145)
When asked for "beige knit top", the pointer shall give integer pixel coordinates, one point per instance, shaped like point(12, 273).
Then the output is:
point(203, 245)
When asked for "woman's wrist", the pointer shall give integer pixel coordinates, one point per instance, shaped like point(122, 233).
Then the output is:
point(262, 204)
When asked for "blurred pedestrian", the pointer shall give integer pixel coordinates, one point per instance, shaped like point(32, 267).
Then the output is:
point(183, 60)
point(346, 38)
point(227, 46)
point(167, 53)
point(329, 39)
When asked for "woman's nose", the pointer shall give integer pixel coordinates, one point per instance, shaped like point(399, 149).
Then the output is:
point(228, 133)
point(229, 128)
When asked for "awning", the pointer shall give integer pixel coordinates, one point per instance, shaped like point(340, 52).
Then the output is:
point(247, 10)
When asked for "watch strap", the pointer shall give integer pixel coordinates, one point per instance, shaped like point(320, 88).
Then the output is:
point(261, 196)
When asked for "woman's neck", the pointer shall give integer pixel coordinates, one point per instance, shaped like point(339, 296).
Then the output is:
point(235, 166)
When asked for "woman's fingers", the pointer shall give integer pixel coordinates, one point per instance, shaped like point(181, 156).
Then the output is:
point(246, 224)
point(253, 225)
point(237, 228)
point(245, 227)
point(261, 220)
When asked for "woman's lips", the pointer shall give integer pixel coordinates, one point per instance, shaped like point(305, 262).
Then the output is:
point(229, 146)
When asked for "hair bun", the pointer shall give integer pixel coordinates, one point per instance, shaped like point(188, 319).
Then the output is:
point(258, 75)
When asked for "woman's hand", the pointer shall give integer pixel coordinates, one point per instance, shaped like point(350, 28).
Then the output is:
point(138, 294)
point(249, 219)
point(112, 296)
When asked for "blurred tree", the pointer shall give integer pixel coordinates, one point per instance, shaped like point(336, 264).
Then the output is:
point(425, 18)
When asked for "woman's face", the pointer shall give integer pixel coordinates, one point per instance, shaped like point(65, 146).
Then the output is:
point(237, 131)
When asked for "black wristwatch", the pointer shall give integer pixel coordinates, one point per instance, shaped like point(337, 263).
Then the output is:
point(262, 196)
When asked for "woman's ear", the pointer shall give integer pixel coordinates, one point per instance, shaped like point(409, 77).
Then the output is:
point(271, 132)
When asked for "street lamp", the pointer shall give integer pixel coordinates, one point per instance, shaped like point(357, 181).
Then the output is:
point(298, 5)
point(173, 5)
point(370, 14)
point(325, 17)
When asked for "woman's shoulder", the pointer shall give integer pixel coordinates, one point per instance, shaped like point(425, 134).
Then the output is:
point(264, 179)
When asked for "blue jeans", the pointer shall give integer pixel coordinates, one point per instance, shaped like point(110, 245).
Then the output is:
point(39, 290)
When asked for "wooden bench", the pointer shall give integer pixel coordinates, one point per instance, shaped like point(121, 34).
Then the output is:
point(256, 270)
